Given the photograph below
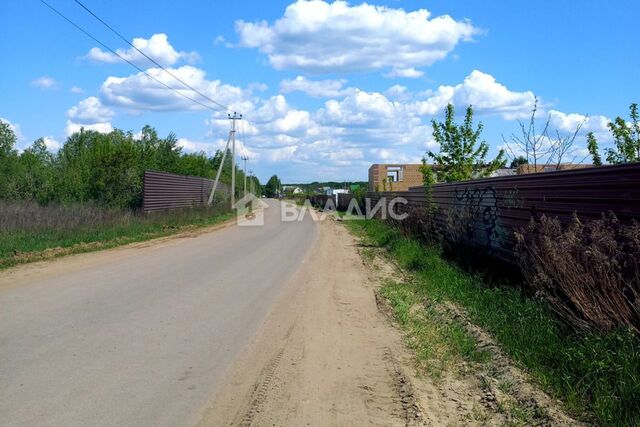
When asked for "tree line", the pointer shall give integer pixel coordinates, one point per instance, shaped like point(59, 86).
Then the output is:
point(106, 169)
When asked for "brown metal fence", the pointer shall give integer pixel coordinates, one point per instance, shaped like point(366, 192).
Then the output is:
point(500, 206)
point(164, 190)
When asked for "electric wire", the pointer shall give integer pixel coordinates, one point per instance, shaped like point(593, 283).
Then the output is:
point(126, 60)
point(81, 29)
point(150, 58)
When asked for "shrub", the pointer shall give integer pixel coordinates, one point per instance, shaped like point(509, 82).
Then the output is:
point(588, 272)
point(420, 223)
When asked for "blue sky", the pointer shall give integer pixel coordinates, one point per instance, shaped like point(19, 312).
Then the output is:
point(326, 88)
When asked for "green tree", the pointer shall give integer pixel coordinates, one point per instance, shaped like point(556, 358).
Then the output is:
point(462, 155)
point(592, 146)
point(114, 171)
point(35, 175)
point(272, 187)
point(8, 160)
point(517, 161)
point(626, 137)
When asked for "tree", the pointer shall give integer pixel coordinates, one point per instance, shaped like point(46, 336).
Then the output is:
point(537, 145)
point(517, 161)
point(35, 173)
point(626, 138)
point(272, 187)
point(7, 139)
point(592, 146)
point(462, 155)
point(8, 160)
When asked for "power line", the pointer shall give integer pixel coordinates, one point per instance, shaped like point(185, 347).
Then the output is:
point(150, 58)
point(124, 59)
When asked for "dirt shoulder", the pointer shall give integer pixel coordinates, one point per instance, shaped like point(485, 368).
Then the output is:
point(331, 353)
point(325, 355)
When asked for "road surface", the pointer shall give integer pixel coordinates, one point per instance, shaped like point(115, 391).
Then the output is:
point(139, 336)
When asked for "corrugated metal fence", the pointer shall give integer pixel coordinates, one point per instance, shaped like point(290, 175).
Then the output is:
point(500, 206)
point(164, 190)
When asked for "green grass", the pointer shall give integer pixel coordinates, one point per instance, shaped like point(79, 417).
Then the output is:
point(22, 246)
point(597, 376)
point(439, 343)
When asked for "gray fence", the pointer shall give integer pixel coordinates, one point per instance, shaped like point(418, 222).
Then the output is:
point(164, 190)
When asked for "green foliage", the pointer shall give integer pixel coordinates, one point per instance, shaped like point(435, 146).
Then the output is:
point(8, 159)
point(517, 161)
point(594, 372)
point(592, 146)
point(103, 168)
point(626, 138)
point(272, 187)
point(360, 193)
point(462, 155)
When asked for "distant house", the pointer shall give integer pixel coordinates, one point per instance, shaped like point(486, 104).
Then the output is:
point(292, 189)
point(394, 177)
point(551, 168)
point(503, 172)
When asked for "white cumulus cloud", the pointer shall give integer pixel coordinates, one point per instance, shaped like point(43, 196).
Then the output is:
point(409, 73)
point(90, 110)
point(73, 127)
point(51, 143)
point(140, 92)
point(483, 92)
point(46, 83)
point(316, 88)
point(89, 114)
point(321, 37)
point(156, 47)
point(568, 123)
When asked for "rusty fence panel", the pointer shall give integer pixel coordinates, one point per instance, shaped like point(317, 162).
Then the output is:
point(503, 205)
point(163, 190)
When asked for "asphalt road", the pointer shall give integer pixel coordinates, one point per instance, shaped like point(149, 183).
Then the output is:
point(139, 336)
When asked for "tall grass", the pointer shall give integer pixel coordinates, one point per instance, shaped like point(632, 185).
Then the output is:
point(597, 375)
point(588, 272)
point(28, 230)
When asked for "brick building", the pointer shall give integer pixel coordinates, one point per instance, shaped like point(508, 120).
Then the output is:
point(394, 177)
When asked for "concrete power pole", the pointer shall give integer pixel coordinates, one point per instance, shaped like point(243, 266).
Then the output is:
point(245, 158)
point(233, 119)
point(232, 139)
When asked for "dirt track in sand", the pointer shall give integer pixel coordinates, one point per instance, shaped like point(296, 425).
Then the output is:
point(326, 355)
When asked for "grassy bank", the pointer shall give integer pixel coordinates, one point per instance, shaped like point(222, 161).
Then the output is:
point(596, 376)
point(29, 232)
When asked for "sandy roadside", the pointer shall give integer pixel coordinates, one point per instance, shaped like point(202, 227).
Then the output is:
point(325, 355)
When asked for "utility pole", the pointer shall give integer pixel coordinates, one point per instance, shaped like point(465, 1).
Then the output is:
point(245, 158)
point(233, 119)
point(232, 139)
